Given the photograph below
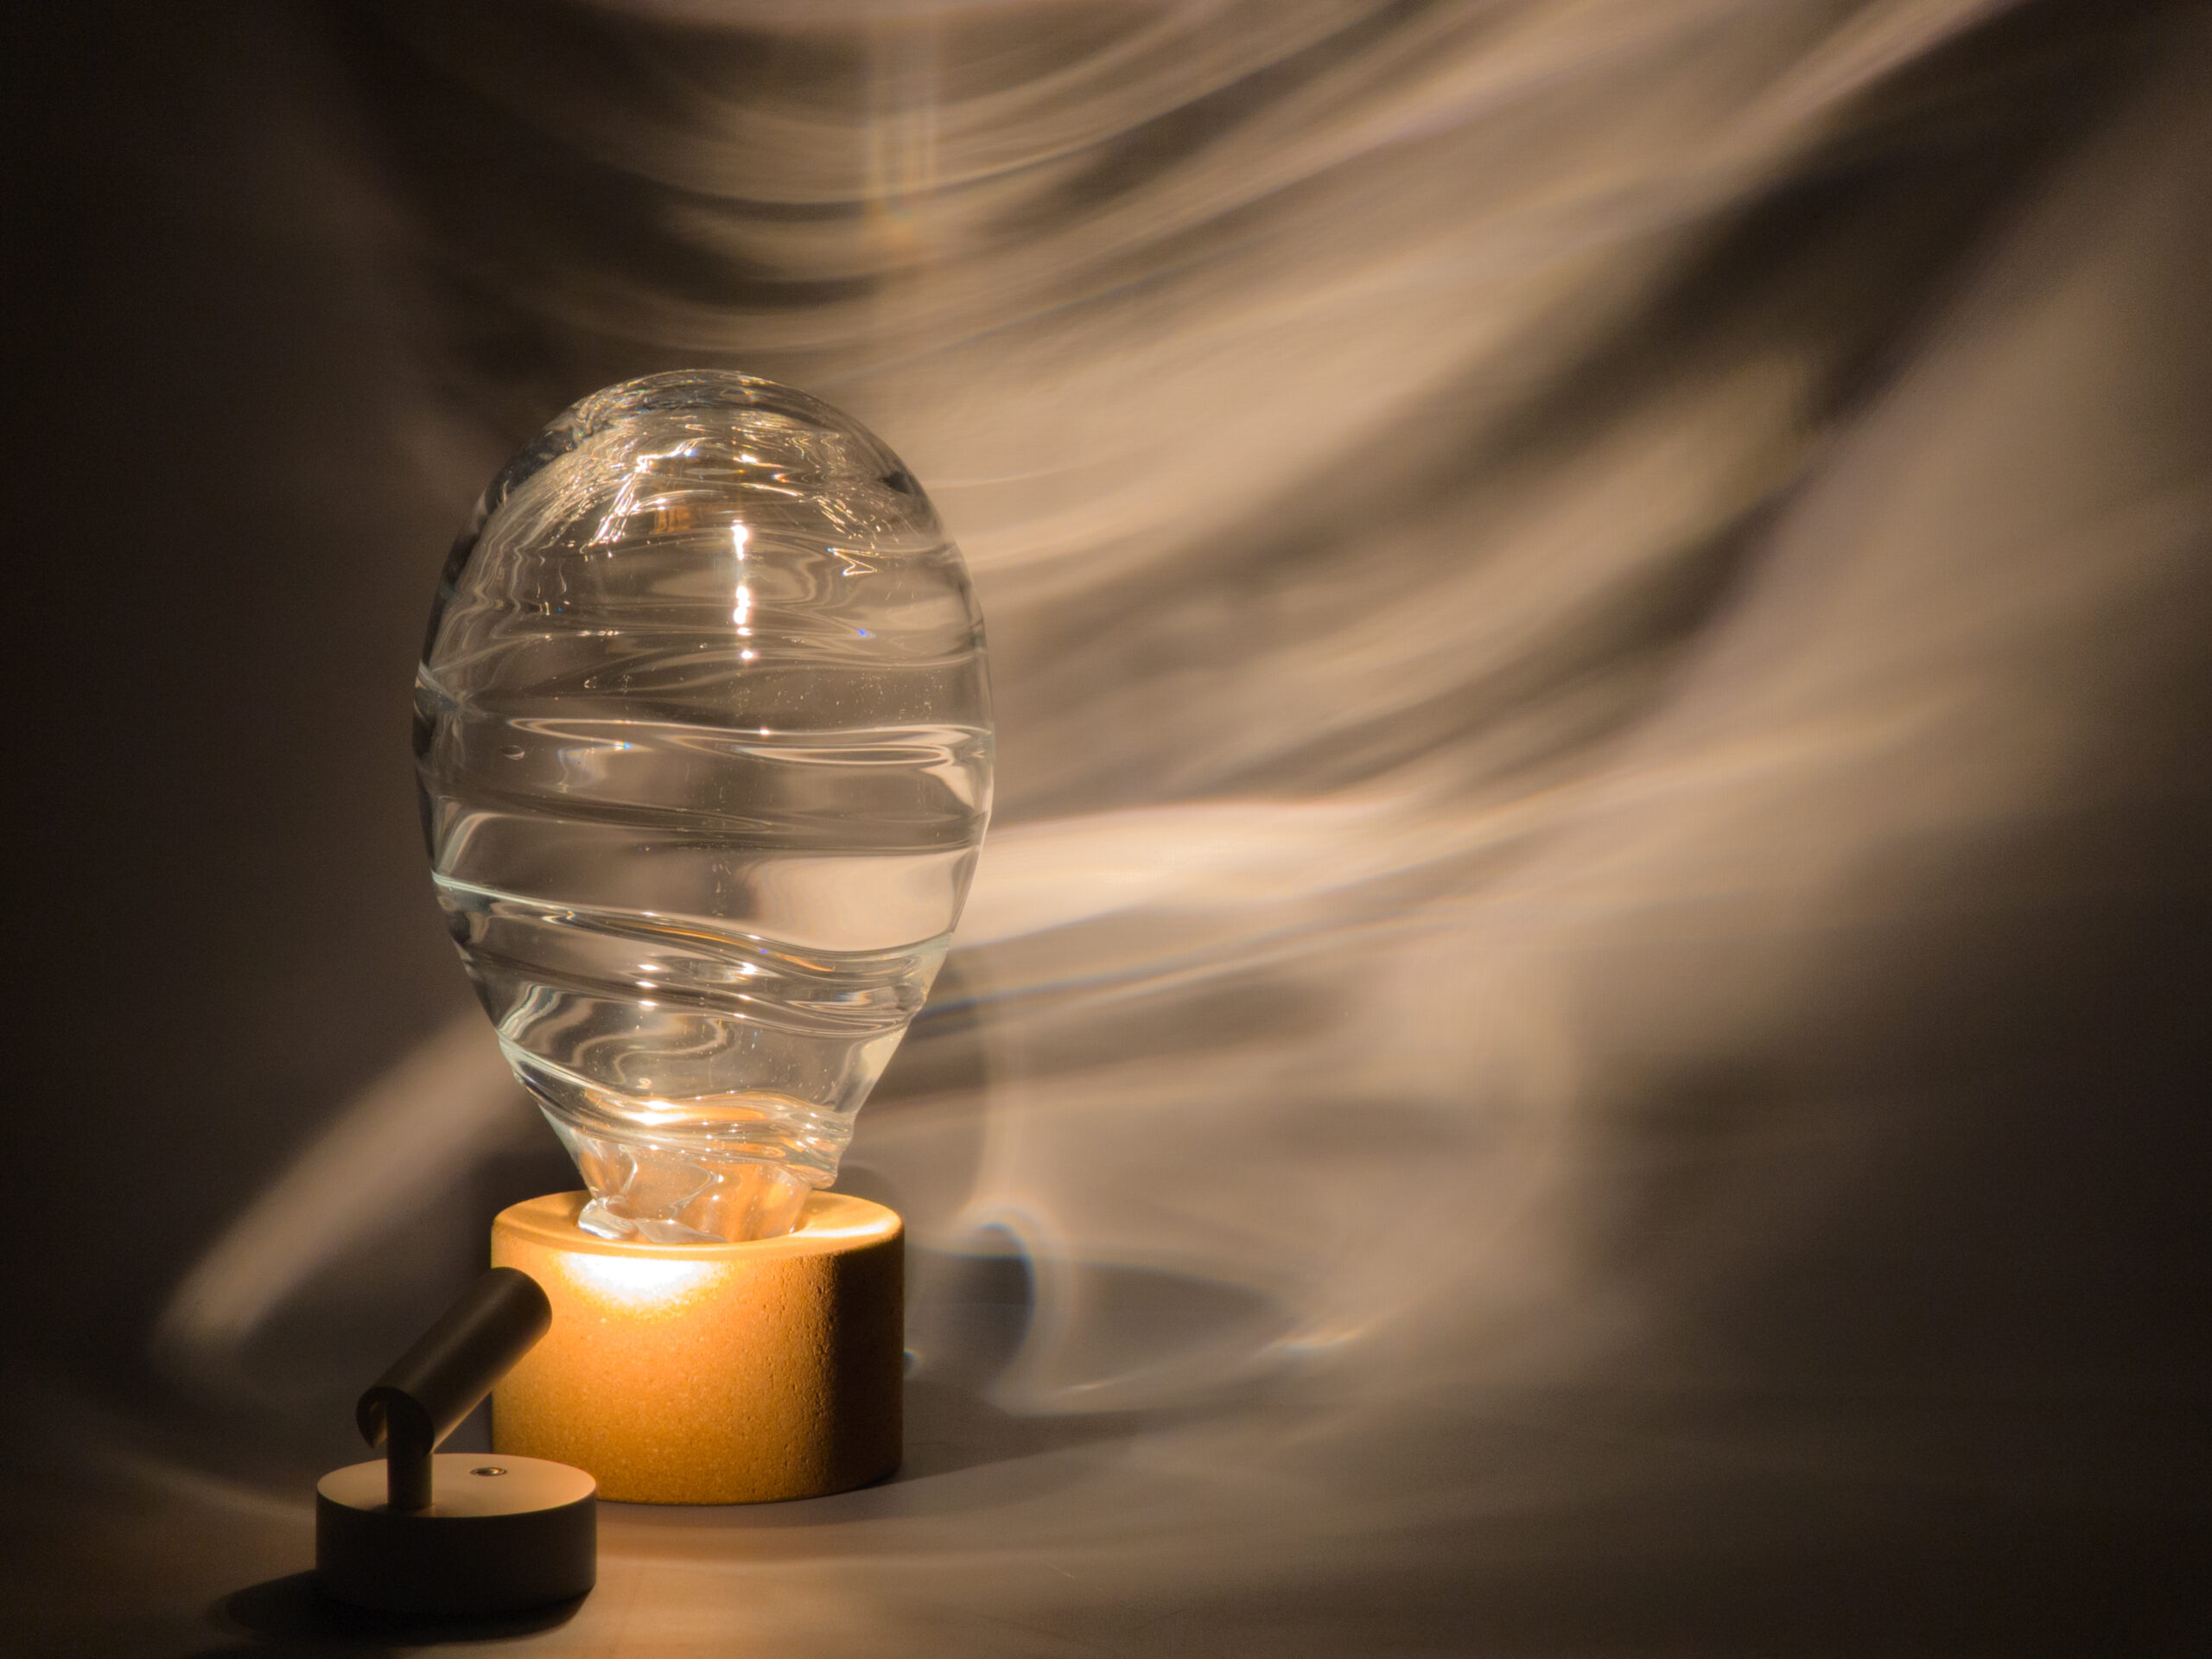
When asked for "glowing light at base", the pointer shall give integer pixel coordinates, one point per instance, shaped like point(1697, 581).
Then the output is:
point(726, 1373)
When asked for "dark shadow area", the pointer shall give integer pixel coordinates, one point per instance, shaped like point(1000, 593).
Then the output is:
point(292, 1615)
point(1061, 1338)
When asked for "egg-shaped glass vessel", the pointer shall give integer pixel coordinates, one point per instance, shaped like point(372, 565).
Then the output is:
point(703, 735)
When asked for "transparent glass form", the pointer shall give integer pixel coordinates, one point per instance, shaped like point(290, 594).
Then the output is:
point(703, 734)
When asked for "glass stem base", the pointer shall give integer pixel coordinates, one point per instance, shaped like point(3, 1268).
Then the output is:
point(682, 1195)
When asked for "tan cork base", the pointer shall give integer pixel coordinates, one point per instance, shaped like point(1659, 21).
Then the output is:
point(710, 1373)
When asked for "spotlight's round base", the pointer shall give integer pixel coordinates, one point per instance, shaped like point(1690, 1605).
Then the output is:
point(711, 1373)
point(491, 1543)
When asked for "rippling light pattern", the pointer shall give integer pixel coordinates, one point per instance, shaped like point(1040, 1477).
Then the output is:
point(1578, 591)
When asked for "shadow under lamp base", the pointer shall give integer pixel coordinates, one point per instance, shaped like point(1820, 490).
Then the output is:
point(710, 1373)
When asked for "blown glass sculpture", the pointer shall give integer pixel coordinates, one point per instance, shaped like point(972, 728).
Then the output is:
point(703, 735)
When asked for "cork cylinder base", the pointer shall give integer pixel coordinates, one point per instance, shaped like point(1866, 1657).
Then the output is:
point(710, 1373)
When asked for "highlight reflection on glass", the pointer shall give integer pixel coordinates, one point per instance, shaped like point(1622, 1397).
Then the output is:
point(704, 740)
